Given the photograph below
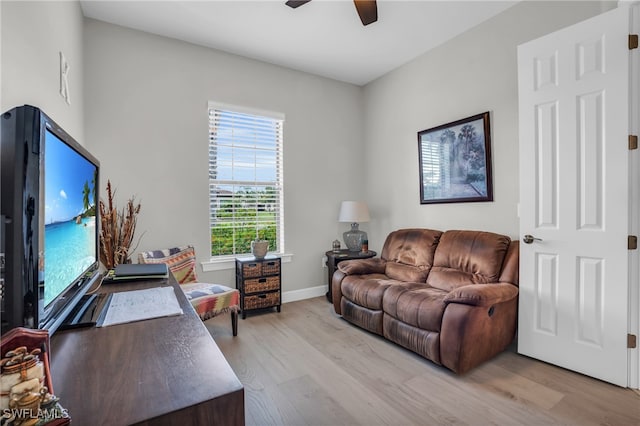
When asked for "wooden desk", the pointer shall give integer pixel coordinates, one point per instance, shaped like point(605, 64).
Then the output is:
point(163, 371)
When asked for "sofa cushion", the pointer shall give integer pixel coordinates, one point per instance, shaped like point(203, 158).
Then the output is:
point(416, 304)
point(366, 290)
point(423, 342)
point(467, 257)
point(369, 319)
point(409, 253)
point(406, 273)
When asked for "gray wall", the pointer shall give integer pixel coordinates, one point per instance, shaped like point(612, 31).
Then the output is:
point(33, 34)
point(471, 74)
point(145, 117)
point(146, 120)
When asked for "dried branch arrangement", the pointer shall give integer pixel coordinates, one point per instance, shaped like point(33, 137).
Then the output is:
point(116, 230)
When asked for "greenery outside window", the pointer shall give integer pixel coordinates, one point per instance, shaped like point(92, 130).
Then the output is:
point(245, 179)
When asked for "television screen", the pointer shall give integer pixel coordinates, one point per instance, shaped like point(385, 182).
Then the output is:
point(70, 235)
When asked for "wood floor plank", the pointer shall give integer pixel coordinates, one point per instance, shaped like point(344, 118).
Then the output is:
point(593, 401)
point(498, 380)
point(314, 402)
point(472, 407)
point(354, 397)
point(307, 366)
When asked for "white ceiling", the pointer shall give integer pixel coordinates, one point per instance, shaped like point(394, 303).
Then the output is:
point(323, 37)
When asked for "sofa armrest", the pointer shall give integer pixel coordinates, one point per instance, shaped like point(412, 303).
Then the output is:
point(362, 266)
point(336, 290)
point(482, 294)
point(470, 334)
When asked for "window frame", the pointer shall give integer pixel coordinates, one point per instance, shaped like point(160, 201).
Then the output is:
point(225, 261)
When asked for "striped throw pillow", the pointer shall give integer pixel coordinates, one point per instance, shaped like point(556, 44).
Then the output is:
point(181, 261)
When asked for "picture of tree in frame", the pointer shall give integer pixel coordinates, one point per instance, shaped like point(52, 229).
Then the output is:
point(455, 161)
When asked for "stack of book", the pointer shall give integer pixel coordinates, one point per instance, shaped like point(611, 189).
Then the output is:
point(138, 271)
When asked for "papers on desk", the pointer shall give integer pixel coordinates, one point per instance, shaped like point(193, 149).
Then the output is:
point(138, 305)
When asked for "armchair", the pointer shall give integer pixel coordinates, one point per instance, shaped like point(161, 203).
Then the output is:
point(208, 300)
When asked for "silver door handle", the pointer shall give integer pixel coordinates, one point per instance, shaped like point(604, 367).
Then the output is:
point(528, 239)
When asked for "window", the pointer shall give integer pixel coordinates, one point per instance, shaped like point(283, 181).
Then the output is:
point(431, 163)
point(436, 163)
point(245, 179)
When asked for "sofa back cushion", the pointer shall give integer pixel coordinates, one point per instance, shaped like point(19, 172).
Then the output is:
point(409, 254)
point(467, 257)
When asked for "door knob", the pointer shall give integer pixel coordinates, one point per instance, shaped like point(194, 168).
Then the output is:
point(528, 239)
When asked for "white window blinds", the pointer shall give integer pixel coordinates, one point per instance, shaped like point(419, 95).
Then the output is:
point(245, 179)
point(431, 162)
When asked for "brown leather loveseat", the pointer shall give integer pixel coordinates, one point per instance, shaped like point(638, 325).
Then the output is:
point(451, 297)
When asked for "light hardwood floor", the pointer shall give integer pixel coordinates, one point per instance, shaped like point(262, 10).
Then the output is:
point(307, 366)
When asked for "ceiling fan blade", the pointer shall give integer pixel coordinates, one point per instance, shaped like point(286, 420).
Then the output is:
point(367, 10)
point(294, 4)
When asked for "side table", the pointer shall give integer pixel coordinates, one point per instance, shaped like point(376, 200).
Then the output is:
point(259, 283)
point(335, 257)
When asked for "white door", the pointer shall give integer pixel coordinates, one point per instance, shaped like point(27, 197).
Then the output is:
point(573, 99)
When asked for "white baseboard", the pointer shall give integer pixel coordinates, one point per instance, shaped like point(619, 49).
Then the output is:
point(305, 293)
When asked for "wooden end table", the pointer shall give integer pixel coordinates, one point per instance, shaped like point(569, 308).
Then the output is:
point(259, 283)
point(335, 257)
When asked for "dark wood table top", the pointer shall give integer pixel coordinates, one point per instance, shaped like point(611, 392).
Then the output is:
point(350, 255)
point(129, 373)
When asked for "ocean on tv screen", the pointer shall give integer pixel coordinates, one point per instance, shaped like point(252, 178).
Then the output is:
point(70, 216)
point(69, 248)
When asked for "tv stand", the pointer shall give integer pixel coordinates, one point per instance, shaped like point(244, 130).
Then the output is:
point(162, 371)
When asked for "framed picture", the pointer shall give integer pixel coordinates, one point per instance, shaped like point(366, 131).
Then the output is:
point(455, 161)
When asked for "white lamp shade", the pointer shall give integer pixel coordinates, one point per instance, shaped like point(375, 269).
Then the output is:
point(353, 212)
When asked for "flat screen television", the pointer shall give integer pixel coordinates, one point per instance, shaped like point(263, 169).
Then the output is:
point(49, 192)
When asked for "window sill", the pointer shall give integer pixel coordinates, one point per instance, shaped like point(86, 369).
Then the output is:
point(229, 262)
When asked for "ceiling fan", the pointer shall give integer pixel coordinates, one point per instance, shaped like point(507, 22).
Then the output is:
point(367, 9)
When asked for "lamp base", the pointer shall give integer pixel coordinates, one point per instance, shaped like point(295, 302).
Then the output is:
point(354, 237)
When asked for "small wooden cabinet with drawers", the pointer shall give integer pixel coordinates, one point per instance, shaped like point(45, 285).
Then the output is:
point(258, 281)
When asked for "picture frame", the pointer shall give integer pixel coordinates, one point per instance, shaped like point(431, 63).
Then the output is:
point(455, 161)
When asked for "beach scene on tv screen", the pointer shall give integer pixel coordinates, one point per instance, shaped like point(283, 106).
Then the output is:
point(70, 216)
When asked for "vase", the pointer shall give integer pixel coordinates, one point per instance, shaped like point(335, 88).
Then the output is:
point(354, 237)
point(259, 248)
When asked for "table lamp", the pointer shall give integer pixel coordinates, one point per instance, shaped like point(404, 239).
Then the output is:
point(354, 212)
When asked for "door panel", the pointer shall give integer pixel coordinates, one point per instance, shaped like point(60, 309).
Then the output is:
point(573, 99)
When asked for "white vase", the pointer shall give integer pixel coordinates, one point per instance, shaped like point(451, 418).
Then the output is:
point(259, 248)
